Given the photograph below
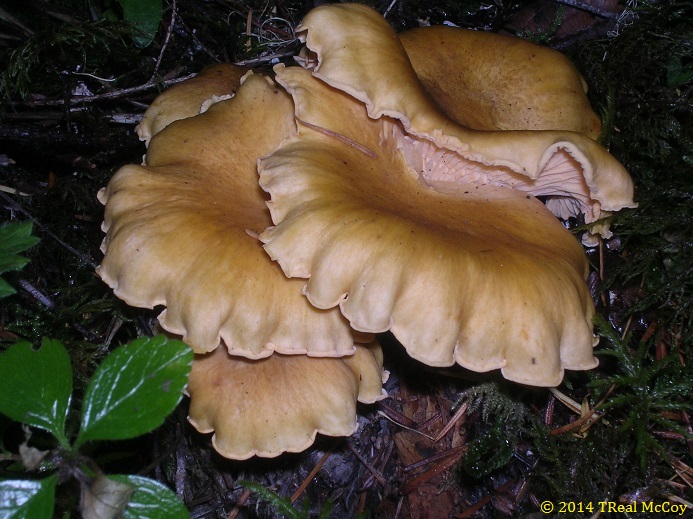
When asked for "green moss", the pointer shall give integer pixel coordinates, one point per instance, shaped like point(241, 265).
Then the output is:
point(49, 61)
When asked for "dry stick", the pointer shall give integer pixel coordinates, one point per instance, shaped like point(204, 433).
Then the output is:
point(313, 473)
point(584, 6)
point(365, 463)
point(389, 8)
point(682, 470)
point(86, 259)
point(264, 59)
point(469, 512)
point(169, 30)
point(548, 415)
point(362, 503)
point(400, 502)
point(455, 418)
point(397, 417)
point(239, 503)
point(51, 305)
point(37, 294)
point(524, 485)
point(248, 28)
point(577, 423)
point(453, 456)
point(432, 459)
point(433, 419)
point(383, 463)
point(115, 94)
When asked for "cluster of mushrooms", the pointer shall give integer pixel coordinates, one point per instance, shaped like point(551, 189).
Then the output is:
point(399, 176)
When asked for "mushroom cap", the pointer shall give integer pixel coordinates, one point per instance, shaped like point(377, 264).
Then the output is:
point(575, 173)
point(481, 275)
point(487, 81)
point(186, 99)
point(269, 406)
point(177, 234)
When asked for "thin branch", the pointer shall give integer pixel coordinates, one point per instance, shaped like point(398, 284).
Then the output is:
point(115, 94)
point(169, 30)
point(593, 9)
point(15, 206)
point(365, 463)
point(456, 417)
point(313, 472)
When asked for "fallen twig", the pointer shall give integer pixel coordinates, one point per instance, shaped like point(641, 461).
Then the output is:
point(115, 94)
point(312, 474)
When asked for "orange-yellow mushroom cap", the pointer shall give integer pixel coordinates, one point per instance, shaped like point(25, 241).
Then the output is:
point(186, 99)
point(413, 223)
point(269, 406)
point(484, 276)
point(487, 81)
point(181, 233)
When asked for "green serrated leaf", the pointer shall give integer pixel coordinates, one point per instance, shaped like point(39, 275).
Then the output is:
point(14, 238)
point(12, 263)
point(151, 500)
point(134, 389)
point(5, 289)
point(36, 386)
point(27, 499)
point(145, 15)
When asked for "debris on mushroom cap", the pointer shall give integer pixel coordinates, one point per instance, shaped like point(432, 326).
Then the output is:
point(181, 232)
point(269, 406)
point(575, 173)
point(483, 276)
point(186, 99)
point(487, 81)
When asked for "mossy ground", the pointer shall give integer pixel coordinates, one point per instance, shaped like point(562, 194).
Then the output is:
point(56, 151)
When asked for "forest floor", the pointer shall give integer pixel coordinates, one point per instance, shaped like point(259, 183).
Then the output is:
point(75, 84)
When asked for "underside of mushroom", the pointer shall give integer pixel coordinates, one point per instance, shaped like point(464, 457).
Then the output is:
point(385, 82)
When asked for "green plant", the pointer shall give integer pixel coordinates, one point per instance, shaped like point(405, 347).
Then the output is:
point(505, 417)
point(131, 393)
point(283, 504)
point(647, 391)
point(145, 15)
point(14, 238)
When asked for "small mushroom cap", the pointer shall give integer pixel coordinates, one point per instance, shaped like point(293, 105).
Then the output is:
point(278, 404)
point(574, 172)
point(483, 275)
point(181, 233)
point(486, 81)
point(185, 99)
